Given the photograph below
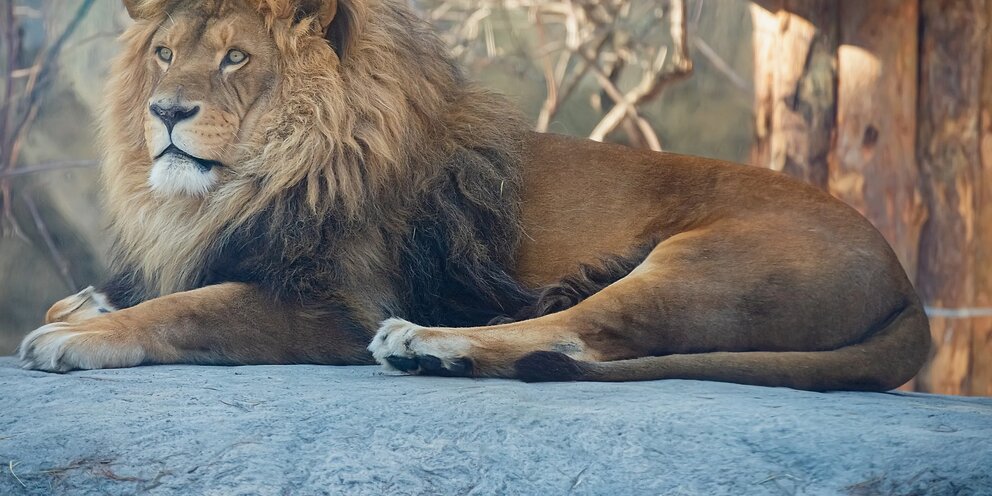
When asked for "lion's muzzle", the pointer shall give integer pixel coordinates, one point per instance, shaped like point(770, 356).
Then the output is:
point(172, 114)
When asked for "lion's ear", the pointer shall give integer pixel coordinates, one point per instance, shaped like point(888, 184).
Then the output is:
point(323, 10)
point(339, 20)
point(133, 8)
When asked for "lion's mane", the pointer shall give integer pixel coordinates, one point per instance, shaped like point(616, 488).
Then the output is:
point(384, 181)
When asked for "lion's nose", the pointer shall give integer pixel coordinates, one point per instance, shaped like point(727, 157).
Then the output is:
point(174, 114)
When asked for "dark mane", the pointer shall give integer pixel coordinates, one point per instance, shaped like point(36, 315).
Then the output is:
point(450, 258)
point(457, 256)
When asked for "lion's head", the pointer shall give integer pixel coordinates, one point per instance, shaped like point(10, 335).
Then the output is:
point(231, 113)
point(213, 72)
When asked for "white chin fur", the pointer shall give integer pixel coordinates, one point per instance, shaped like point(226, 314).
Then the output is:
point(175, 175)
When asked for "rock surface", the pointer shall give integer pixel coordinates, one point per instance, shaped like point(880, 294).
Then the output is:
point(358, 430)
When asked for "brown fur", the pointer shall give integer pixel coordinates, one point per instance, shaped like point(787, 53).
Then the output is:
point(360, 177)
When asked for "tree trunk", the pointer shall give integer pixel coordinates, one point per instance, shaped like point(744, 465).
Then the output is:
point(955, 273)
point(836, 106)
point(795, 66)
point(873, 167)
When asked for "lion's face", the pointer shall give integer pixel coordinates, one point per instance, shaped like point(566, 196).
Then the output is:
point(213, 73)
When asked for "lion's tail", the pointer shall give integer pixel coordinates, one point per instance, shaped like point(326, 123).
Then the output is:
point(885, 360)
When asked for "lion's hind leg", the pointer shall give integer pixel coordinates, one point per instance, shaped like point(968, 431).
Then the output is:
point(814, 315)
point(711, 303)
point(560, 321)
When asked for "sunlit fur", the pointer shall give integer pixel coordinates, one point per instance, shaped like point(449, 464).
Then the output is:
point(358, 136)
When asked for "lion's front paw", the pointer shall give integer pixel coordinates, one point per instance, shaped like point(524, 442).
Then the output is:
point(83, 305)
point(406, 347)
point(92, 344)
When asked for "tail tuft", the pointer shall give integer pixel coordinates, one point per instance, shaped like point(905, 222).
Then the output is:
point(549, 366)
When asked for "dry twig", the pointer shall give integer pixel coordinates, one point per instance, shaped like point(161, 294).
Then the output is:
point(53, 250)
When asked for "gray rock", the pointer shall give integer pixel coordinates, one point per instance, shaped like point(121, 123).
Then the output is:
point(357, 430)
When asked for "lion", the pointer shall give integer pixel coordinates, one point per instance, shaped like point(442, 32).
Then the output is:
point(315, 181)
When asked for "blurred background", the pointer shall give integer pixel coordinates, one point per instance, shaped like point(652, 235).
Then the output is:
point(885, 104)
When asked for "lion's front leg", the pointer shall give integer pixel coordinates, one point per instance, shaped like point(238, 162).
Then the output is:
point(223, 324)
point(477, 352)
point(96, 343)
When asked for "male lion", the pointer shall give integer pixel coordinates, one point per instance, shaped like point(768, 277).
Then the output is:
point(286, 179)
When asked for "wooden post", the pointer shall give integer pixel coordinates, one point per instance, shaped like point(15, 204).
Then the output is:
point(955, 156)
point(795, 67)
point(873, 166)
point(981, 346)
point(836, 106)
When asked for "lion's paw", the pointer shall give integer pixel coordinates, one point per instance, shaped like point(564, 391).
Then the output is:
point(64, 346)
point(83, 305)
point(407, 347)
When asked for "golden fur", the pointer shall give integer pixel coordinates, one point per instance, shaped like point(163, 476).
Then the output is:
point(346, 173)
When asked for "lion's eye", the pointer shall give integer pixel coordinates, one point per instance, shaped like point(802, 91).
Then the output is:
point(235, 57)
point(164, 54)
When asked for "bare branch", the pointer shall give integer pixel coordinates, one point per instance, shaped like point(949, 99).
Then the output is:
point(49, 167)
point(722, 66)
point(60, 261)
point(615, 41)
